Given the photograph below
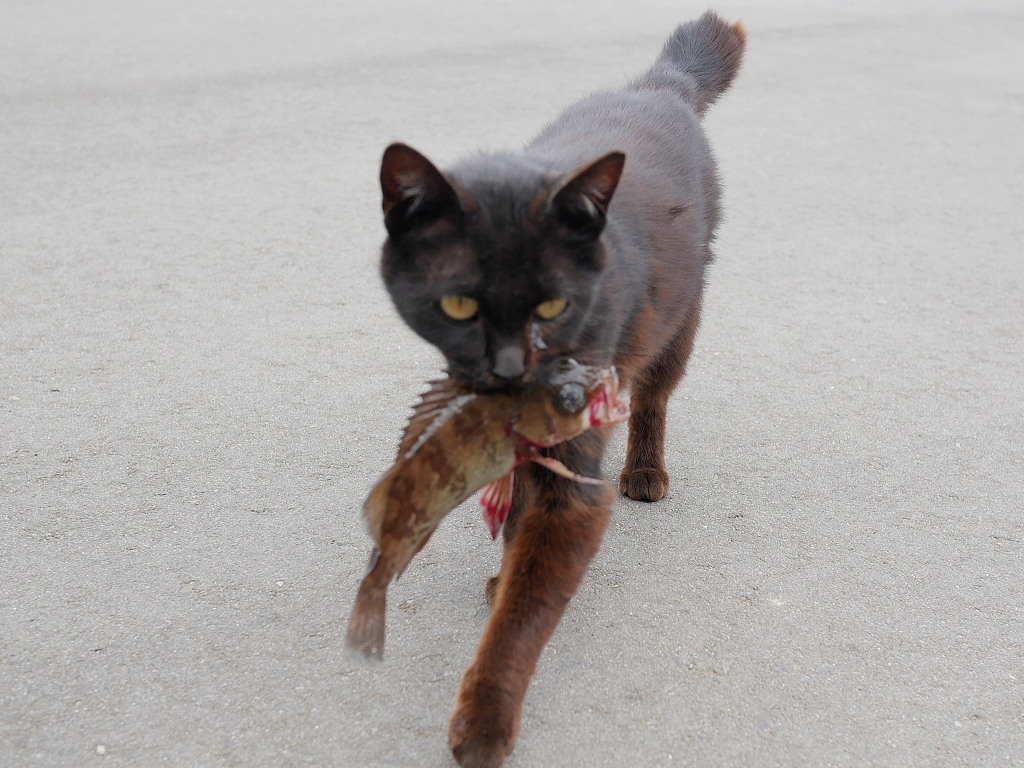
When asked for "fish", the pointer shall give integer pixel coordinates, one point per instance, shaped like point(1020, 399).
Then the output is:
point(457, 442)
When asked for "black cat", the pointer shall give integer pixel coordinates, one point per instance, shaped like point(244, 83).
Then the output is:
point(591, 242)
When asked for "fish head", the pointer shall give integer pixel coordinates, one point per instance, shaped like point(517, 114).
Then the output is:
point(567, 400)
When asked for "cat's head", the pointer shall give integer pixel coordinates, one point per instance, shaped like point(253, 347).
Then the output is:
point(497, 263)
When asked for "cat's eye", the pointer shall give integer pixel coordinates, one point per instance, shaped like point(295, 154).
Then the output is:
point(549, 310)
point(459, 307)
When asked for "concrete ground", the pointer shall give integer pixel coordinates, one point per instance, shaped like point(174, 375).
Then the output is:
point(201, 377)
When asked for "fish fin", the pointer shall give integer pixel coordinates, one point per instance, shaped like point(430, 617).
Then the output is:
point(497, 501)
point(375, 507)
point(560, 469)
point(429, 414)
point(443, 400)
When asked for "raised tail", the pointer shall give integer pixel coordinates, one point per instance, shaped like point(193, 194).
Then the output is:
point(699, 61)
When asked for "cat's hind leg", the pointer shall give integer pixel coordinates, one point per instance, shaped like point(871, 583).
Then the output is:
point(644, 476)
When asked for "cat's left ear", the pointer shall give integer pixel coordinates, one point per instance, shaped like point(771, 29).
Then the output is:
point(415, 192)
point(580, 204)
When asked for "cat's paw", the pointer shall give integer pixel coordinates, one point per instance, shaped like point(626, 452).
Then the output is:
point(480, 736)
point(647, 484)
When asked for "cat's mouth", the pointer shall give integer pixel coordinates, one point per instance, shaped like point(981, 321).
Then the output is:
point(486, 381)
point(494, 384)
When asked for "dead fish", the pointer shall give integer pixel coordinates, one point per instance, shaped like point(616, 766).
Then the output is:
point(457, 442)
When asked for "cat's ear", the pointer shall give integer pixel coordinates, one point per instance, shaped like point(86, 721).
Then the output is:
point(580, 204)
point(415, 192)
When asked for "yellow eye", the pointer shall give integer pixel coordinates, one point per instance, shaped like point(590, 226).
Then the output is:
point(549, 310)
point(459, 307)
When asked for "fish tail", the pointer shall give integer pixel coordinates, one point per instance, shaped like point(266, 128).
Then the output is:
point(366, 625)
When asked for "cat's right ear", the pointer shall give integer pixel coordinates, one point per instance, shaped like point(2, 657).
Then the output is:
point(416, 193)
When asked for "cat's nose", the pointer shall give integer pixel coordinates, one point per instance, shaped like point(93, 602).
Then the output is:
point(509, 363)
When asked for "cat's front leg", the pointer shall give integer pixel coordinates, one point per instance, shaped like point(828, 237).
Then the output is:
point(557, 535)
point(645, 476)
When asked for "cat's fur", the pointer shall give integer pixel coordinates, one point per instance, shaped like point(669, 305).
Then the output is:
point(613, 207)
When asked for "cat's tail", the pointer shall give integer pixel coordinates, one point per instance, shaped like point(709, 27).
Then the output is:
point(699, 61)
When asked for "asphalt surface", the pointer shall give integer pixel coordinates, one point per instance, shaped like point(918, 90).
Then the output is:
point(201, 377)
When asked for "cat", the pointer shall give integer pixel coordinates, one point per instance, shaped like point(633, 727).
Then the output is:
point(591, 242)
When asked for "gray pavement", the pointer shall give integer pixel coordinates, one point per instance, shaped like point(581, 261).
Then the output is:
point(201, 377)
